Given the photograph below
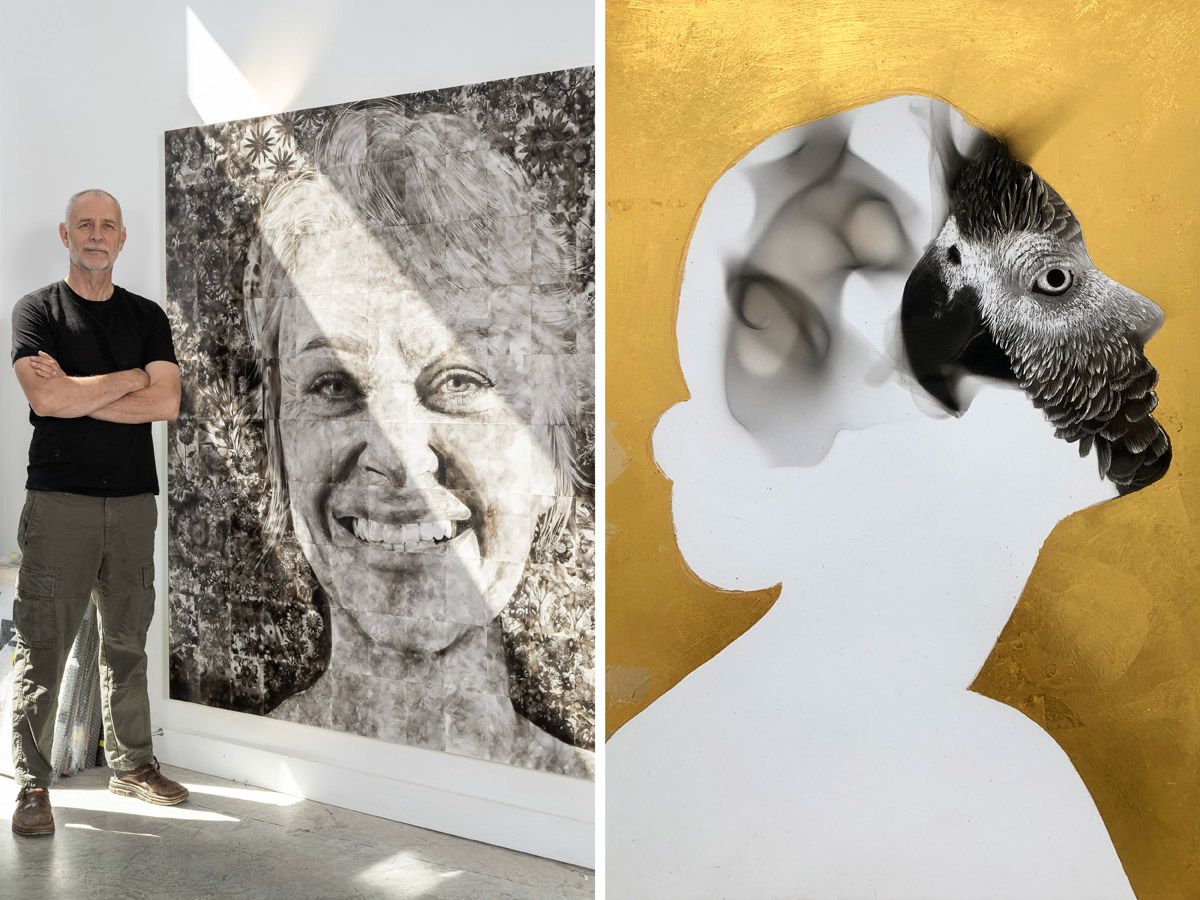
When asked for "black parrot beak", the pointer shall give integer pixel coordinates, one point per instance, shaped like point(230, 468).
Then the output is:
point(944, 333)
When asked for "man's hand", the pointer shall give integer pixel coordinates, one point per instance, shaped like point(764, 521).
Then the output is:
point(44, 365)
point(156, 402)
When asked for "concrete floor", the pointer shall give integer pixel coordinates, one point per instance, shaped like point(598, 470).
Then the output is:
point(230, 840)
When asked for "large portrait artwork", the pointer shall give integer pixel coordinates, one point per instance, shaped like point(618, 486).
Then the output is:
point(381, 480)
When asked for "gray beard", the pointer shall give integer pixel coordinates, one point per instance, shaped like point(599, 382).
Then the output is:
point(78, 261)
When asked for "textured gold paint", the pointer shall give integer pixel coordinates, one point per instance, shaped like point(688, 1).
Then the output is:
point(1102, 98)
point(625, 684)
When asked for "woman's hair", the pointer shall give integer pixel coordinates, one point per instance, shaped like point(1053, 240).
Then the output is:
point(379, 166)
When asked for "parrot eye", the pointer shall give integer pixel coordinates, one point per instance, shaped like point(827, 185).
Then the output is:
point(1054, 281)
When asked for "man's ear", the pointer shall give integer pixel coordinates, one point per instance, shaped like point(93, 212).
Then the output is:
point(62, 233)
point(121, 246)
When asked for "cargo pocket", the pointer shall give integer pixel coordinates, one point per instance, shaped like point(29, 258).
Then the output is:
point(146, 602)
point(33, 608)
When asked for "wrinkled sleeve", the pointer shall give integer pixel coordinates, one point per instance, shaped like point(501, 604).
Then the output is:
point(161, 345)
point(31, 330)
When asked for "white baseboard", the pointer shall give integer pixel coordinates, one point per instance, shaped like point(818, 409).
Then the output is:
point(535, 812)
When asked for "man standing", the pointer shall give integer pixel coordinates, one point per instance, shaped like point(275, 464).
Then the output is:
point(97, 365)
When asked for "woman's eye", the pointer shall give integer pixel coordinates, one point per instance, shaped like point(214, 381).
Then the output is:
point(1054, 281)
point(460, 382)
point(336, 389)
point(456, 390)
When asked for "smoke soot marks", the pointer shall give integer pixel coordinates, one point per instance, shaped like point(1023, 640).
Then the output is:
point(812, 285)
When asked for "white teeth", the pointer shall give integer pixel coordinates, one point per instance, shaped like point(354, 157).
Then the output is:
point(410, 536)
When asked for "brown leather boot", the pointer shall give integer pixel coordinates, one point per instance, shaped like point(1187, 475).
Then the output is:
point(149, 784)
point(33, 815)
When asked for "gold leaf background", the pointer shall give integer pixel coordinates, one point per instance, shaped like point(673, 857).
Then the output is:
point(1103, 100)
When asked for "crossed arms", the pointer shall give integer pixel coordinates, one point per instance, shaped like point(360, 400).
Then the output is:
point(130, 397)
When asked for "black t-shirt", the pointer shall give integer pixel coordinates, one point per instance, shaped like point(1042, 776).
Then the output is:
point(85, 455)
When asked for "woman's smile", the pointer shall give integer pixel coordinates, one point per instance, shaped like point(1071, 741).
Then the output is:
point(414, 537)
point(413, 519)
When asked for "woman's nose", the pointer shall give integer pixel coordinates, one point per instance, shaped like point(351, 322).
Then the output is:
point(399, 454)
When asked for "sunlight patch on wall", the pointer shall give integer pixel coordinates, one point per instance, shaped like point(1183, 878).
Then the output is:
point(215, 85)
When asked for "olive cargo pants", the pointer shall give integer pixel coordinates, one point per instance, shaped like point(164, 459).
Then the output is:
point(73, 545)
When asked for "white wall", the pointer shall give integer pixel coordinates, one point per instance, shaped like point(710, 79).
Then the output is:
point(86, 93)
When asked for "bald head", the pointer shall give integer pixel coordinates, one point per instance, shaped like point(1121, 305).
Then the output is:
point(93, 192)
point(93, 234)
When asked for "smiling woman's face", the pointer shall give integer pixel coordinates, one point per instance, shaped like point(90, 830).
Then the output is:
point(414, 468)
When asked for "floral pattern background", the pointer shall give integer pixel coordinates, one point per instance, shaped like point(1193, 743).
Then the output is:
point(249, 625)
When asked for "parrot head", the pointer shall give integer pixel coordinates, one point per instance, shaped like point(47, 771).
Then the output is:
point(1007, 290)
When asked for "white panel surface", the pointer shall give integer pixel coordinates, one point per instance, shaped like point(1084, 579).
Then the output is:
point(833, 751)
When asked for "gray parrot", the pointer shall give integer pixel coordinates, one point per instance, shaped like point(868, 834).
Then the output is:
point(1007, 290)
